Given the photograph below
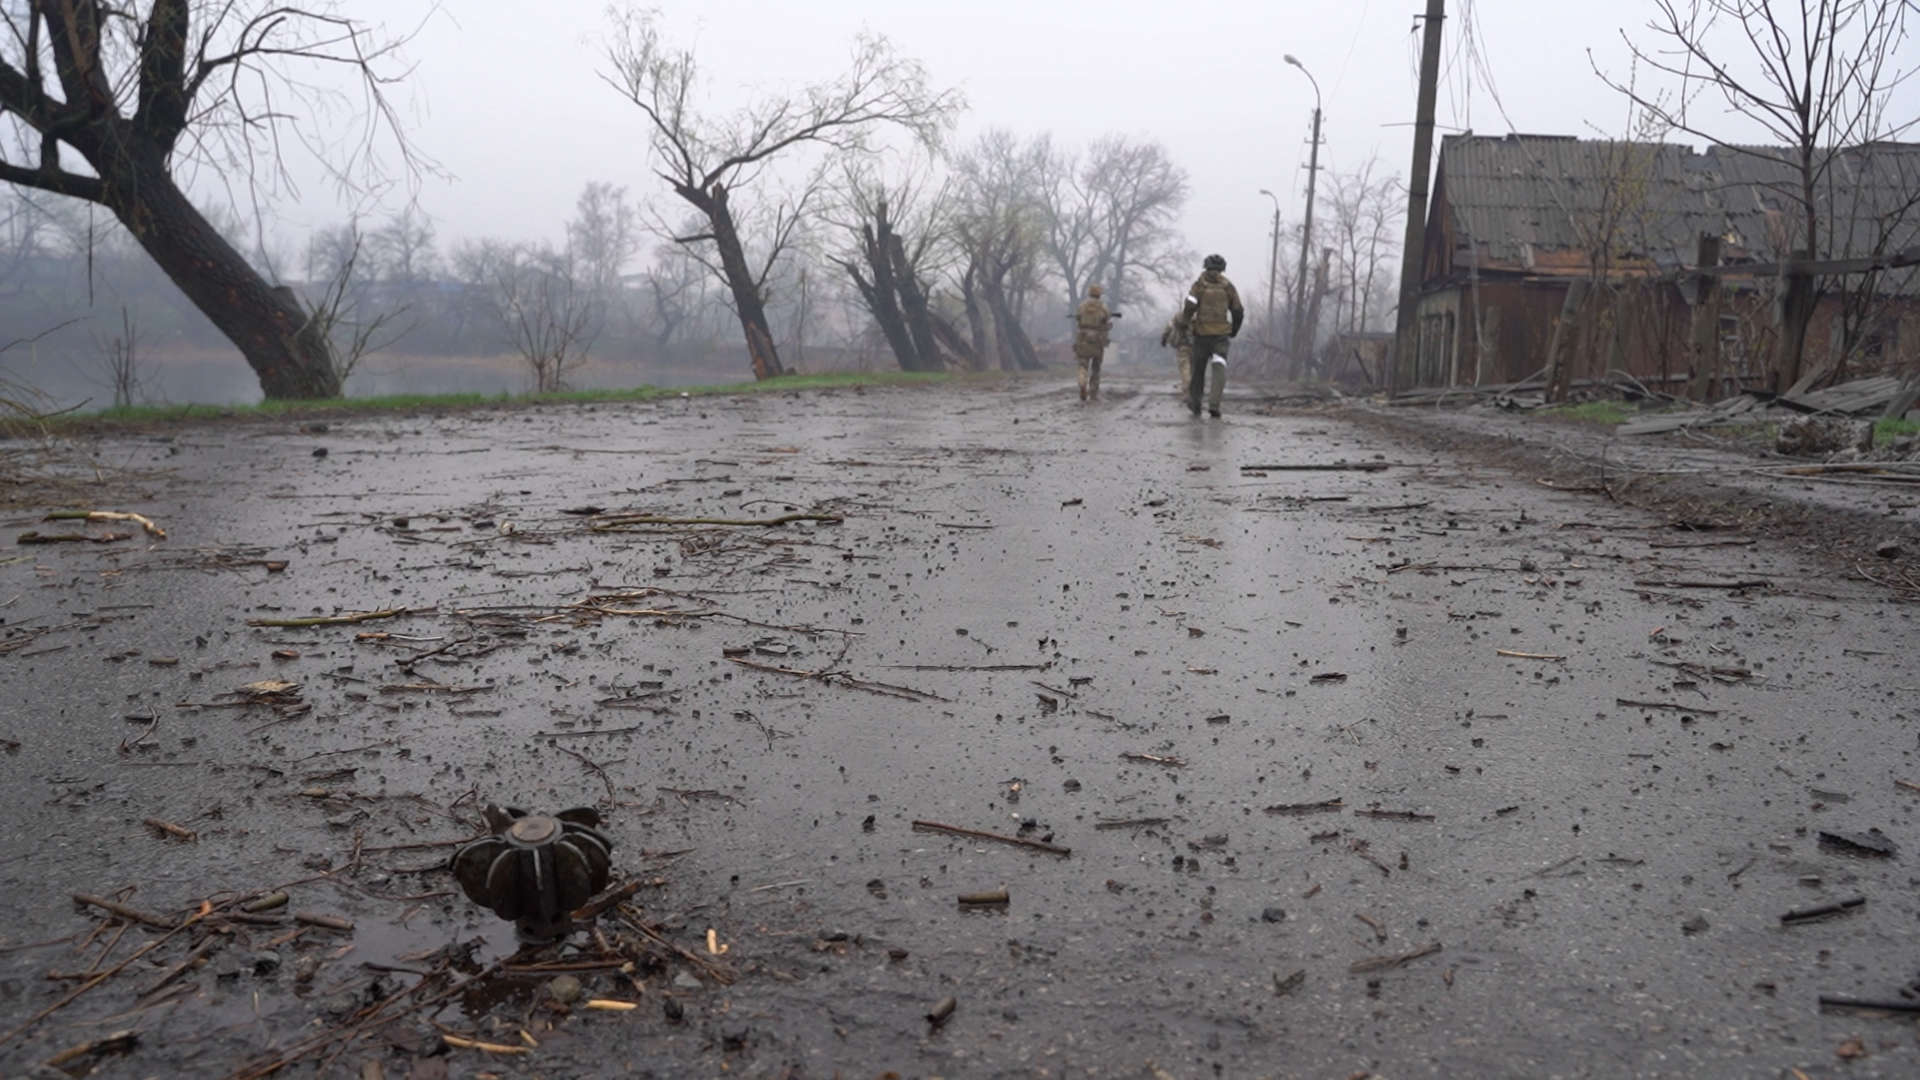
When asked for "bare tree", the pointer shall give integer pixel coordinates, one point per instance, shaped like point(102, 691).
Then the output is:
point(677, 292)
point(1000, 223)
point(1816, 76)
point(545, 304)
point(1137, 194)
point(1367, 210)
point(404, 248)
point(1111, 215)
point(332, 247)
point(605, 233)
point(704, 159)
point(120, 363)
point(894, 236)
point(1875, 193)
point(135, 87)
point(353, 325)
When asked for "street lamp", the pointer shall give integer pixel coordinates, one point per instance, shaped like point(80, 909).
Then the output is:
point(1302, 333)
point(1273, 269)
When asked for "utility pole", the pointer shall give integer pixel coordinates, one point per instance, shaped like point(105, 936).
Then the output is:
point(1302, 342)
point(1273, 270)
point(1303, 328)
point(1413, 254)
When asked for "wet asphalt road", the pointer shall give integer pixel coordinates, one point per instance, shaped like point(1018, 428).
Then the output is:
point(1021, 592)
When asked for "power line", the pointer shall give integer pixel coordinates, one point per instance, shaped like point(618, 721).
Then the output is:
point(1359, 28)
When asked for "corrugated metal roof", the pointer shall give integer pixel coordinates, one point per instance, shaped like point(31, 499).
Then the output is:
point(1535, 201)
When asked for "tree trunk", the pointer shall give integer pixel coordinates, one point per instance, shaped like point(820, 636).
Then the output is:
point(747, 302)
point(949, 338)
point(1016, 349)
point(1310, 330)
point(983, 345)
point(1796, 315)
point(913, 300)
point(878, 295)
point(281, 342)
point(1562, 342)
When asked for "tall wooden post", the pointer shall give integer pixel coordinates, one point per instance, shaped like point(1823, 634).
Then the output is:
point(1564, 344)
point(1413, 253)
point(1703, 340)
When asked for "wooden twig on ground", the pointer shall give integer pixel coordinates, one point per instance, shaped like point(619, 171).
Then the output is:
point(955, 830)
point(1358, 466)
point(612, 897)
point(1667, 705)
point(132, 914)
point(1512, 655)
point(1393, 815)
point(365, 1020)
point(77, 991)
point(1132, 823)
point(1322, 807)
point(178, 832)
point(1656, 583)
point(616, 521)
point(593, 767)
point(1839, 1002)
point(1382, 963)
point(970, 667)
point(475, 1044)
point(198, 954)
point(633, 921)
point(340, 620)
point(31, 537)
point(1801, 915)
point(904, 693)
point(108, 515)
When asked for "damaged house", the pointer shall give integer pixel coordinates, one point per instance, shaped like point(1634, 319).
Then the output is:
point(1586, 250)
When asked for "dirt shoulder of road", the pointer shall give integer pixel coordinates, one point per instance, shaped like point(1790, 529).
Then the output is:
point(1850, 521)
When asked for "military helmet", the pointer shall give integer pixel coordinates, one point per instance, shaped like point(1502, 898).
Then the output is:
point(1093, 291)
point(1215, 262)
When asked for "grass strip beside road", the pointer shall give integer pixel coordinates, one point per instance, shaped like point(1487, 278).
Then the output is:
point(141, 415)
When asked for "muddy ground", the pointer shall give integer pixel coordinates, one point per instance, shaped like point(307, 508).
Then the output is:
point(1093, 627)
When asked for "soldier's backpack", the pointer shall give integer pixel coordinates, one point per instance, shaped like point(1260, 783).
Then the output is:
point(1212, 315)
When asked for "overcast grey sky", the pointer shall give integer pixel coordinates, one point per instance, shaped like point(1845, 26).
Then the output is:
point(510, 104)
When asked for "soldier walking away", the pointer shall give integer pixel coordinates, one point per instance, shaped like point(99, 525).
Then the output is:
point(1093, 323)
point(1174, 337)
point(1212, 314)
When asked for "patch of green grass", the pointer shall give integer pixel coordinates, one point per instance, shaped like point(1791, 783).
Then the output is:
point(1890, 429)
point(162, 414)
point(1594, 412)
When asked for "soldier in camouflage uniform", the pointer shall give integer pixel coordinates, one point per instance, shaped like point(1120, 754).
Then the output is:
point(1092, 325)
point(1212, 314)
point(1174, 337)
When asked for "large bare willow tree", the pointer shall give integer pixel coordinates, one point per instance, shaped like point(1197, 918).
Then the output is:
point(1817, 77)
point(108, 100)
point(706, 157)
point(1111, 216)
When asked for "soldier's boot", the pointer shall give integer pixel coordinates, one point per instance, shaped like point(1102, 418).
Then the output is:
point(1217, 380)
point(1083, 380)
